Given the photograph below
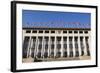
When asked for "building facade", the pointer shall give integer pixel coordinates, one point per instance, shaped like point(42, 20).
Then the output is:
point(49, 44)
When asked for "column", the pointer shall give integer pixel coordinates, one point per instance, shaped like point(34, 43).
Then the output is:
point(29, 44)
point(37, 46)
point(35, 50)
point(68, 52)
point(23, 34)
point(89, 45)
point(49, 47)
point(79, 47)
point(23, 38)
point(55, 47)
point(73, 46)
point(62, 46)
point(84, 42)
point(42, 51)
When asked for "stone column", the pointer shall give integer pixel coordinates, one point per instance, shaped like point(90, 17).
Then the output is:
point(35, 52)
point(29, 44)
point(89, 44)
point(79, 47)
point(49, 47)
point(37, 46)
point(84, 42)
point(68, 51)
point(23, 32)
point(73, 46)
point(42, 51)
point(55, 47)
point(62, 46)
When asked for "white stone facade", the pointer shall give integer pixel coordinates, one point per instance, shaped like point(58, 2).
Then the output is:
point(46, 44)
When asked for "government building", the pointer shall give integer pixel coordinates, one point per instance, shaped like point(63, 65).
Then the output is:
point(56, 44)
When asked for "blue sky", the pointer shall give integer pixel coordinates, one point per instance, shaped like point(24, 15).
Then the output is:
point(33, 18)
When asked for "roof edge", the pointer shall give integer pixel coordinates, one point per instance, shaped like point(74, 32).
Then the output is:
point(58, 28)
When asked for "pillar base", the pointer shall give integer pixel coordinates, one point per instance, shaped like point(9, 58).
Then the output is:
point(28, 60)
point(85, 57)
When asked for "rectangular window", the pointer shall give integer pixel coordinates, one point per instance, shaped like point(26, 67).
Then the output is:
point(46, 39)
point(58, 47)
point(70, 43)
point(59, 31)
point(80, 31)
point(40, 31)
point(46, 31)
point(76, 46)
point(58, 42)
point(64, 31)
point(28, 31)
point(70, 31)
point(86, 32)
point(75, 31)
point(65, 42)
point(40, 42)
point(34, 31)
point(71, 47)
point(52, 42)
point(52, 31)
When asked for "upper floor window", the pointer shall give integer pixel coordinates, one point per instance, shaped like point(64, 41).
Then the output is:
point(80, 31)
point(64, 31)
point(28, 31)
point(75, 31)
point(41, 31)
point(70, 31)
point(46, 31)
point(34, 31)
point(52, 31)
point(86, 32)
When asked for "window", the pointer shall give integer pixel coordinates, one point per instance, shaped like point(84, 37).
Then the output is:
point(64, 31)
point(28, 31)
point(70, 31)
point(86, 32)
point(46, 54)
point(52, 54)
point(80, 31)
point(52, 42)
point(65, 42)
point(70, 43)
point(76, 47)
point(76, 42)
point(46, 42)
point(58, 42)
point(34, 31)
point(75, 31)
point(52, 31)
point(39, 54)
point(59, 31)
point(65, 54)
point(40, 31)
point(58, 54)
point(40, 43)
point(70, 47)
point(52, 46)
point(46, 31)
